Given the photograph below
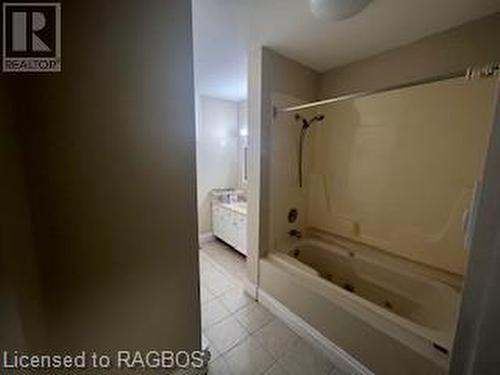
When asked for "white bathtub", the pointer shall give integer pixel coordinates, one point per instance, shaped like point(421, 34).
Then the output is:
point(415, 310)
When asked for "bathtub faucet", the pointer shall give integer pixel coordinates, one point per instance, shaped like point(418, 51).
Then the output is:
point(295, 233)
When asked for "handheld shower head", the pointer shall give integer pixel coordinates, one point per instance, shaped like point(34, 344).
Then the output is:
point(307, 123)
point(303, 132)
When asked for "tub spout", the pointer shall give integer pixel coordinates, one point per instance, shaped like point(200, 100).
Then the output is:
point(295, 233)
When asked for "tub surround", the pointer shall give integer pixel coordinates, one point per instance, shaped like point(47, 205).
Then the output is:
point(397, 170)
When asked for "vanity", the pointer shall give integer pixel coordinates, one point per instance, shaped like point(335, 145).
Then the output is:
point(229, 223)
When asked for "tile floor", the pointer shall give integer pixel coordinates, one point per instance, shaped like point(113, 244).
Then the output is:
point(229, 259)
point(243, 336)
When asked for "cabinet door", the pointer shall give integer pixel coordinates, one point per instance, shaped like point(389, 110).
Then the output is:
point(227, 227)
point(243, 235)
point(233, 229)
point(239, 225)
point(216, 220)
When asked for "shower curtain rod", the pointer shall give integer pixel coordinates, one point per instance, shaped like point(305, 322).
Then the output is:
point(471, 73)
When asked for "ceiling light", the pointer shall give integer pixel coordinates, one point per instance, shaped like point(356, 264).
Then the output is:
point(335, 10)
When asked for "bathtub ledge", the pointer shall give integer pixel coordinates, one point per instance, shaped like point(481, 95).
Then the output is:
point(340, 358)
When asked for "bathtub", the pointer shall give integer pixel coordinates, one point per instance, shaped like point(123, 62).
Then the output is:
point(414, 310)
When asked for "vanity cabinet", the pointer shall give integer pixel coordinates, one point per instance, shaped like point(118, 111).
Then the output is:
point(230, 226)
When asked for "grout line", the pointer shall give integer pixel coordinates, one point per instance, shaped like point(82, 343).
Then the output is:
point(249, 335)
point(224, 253)
point(221, 269)
point(273, 360)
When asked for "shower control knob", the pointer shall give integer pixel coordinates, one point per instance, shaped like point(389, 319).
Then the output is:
point(295, 233)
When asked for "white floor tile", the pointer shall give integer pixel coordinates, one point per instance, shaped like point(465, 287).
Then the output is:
point(302, 358)
point(205, 268)
point(213, 312)
point(276, 369)
point(235, 299)
point(276, 338)
point(248, 358)
point(211, 274)
point(219, 367)
point(226, 334)
point(205, 294)
point(207, 345)
point(218, 283)
point(254, 317)
point(243, 337)
point(227, 258)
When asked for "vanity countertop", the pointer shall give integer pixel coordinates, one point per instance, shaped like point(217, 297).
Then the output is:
point(238, 207)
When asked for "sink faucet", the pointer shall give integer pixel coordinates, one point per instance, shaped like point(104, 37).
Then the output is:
point(295, 233)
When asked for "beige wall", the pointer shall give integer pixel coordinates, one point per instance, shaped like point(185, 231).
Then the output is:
point(217, 153)
point(281, 77)
point(269, 74)
point(454, 50)
point(108, 155)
